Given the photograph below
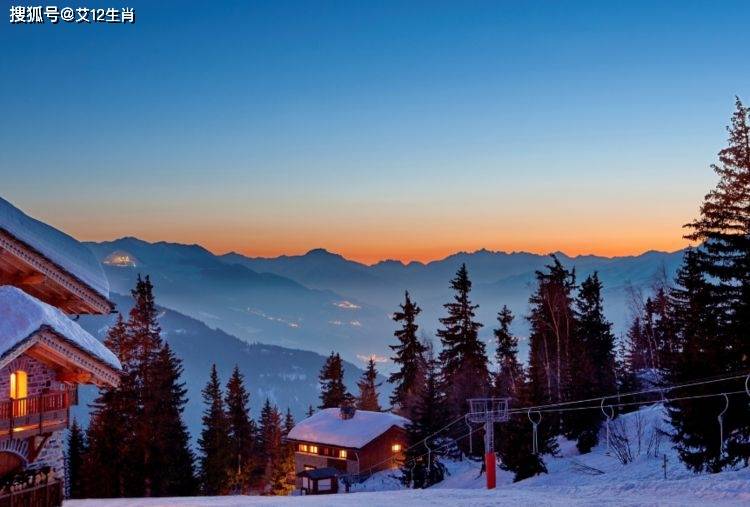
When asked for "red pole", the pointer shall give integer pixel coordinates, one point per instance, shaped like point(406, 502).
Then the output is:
point(489, 464)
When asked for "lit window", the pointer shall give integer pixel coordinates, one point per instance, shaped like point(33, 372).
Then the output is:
point(314, 449)
point(342, 454)
point(302, 447)
point(18, 385)
point(19, 390)
point(396, 447)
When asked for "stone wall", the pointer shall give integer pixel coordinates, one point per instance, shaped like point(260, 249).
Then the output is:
point(40, 376)
point(52, 455)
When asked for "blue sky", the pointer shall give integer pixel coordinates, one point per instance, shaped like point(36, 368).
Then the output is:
point(376, 129)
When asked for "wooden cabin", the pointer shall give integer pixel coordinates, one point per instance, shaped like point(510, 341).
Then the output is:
point(357, 443)
point(45, 275)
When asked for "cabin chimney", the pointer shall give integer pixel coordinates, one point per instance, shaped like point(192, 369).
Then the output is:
point(346, 412)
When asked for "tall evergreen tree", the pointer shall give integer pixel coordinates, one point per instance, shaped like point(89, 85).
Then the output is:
point(465, 372)
point(333, 392)
point(109, 459)
point(242, 435)
point(75, 455)
point(285, 469)
point(593, 363)
point(172, 454)
point(368, 389)
point(408, 379)
point(552, 325)
point(697, 317)
point(214, 444)
point(138, 443)
point(144, 331)
point(421, 470)
point(723, 227)
point(509, 378)
point(271, 449)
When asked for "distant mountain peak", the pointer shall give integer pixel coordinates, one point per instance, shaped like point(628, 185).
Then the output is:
point(321, 252)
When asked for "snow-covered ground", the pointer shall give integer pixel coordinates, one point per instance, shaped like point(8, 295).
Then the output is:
point(592, 479)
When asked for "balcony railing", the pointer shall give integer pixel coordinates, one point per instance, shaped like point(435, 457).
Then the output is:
point(49, 494)
point(34, 415)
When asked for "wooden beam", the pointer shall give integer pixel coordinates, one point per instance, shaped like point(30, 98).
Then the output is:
point(78, 377)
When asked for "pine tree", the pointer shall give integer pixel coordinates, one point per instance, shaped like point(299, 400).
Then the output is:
point(465, 372)
point(171, 453)
point(697, 318)
point(724, 258)
point(138, 443)
point(310, 411)
point(242, 435)
point(109, 460)
point(75, 460)
point(509, 377)
point(333, 393)
point(368, 389)
point(408, 355)
point(420, 468)
point(593, 365)
point(144, 331)
point(271, 449)
point(552, 324)
point(285, 469)
point(214, 443)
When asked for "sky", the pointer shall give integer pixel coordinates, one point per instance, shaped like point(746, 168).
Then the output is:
point(378, 130)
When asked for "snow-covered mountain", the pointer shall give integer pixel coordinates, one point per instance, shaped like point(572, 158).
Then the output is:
point(256, 307)
point(321, 301)
point(499, 278)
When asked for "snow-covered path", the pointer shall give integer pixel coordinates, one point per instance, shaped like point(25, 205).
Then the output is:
point(729, 488)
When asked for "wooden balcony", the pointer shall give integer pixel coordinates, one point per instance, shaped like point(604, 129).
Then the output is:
point(48, 494)
point(36, 415)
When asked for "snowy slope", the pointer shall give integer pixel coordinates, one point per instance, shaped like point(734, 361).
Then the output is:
point(730, 488)
point(592, 479)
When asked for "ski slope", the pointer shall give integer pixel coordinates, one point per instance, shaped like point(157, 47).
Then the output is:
point(592, 479)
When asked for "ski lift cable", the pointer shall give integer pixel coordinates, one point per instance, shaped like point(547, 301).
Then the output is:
point(622, 405)
point(662, 390)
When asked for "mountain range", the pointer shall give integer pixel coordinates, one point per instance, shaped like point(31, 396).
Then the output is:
point(321, 301)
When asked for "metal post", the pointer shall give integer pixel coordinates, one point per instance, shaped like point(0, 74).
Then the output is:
point(489, 453)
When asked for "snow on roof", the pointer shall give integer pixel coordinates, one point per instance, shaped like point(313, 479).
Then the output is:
point(327, 427)
point(22, 315)
point(65, 251)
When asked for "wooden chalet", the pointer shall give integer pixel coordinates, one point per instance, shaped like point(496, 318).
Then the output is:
point(45, 276)
point(356, 443)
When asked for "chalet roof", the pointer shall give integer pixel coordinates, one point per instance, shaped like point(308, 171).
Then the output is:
point(22, 316)
point(327, 427)
point(63, 250)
